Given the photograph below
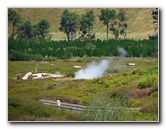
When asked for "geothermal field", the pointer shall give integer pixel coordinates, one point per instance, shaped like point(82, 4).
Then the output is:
point(129, 83)
point(83, 64)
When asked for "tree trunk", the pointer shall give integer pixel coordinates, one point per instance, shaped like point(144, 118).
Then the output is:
point(68, 37)
point(75, 33)
point(13, 32)
point(123, 33)
point(107, 31)
point(89, 32)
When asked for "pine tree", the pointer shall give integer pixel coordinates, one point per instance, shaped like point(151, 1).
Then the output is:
point(14, 19)
point(106, 16)
point(87, 23)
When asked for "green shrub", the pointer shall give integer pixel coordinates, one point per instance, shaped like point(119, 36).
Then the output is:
point(98, 81)
point(134, 103)
point(15, 56)
point(38, 57)
point(147, 81)
point(50, 58)
point(69, 74)
point(139, 71)
point(155, 94)
point(102, 108)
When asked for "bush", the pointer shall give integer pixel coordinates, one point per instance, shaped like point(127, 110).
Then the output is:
point(50, 58)
point(147, 81)
point(104, 108)
point(16, 56)
point(155, 94)
point(69, 74)
point(138, 71)
point(38, 57)
point(134, 103)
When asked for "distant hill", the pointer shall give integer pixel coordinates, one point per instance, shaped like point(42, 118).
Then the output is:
point(140, 22)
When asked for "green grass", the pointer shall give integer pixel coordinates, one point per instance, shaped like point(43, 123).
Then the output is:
point(23, 96)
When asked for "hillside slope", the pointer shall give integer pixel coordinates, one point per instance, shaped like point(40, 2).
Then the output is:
point(140, 22)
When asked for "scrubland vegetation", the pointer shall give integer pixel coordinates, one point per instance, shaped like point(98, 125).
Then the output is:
point(135, 87)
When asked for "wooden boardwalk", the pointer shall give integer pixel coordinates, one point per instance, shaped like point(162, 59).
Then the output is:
point(73, 107)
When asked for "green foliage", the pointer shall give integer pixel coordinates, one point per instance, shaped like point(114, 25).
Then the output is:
point(134, 103)
point(24, 95)
point(155, 17)
point(104, 108)
point(122, 22)
point(69, 23)
point(38, 57)
point(139, 71)
point(155, 14)
point(50, 58)
point(26, 110)
point(14, 19)
point(42, 28)
point(87, 22)
point(13, 16)
point(66, 50)
point(116, 33)
point(155, 94)
point(106, 16)
point(149, 78)
point(69, 74)
point(147, 81)
point(25, 31)
point(155, 23)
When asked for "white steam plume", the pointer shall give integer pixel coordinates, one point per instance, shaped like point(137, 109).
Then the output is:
point(123, 53)
point(93, 70)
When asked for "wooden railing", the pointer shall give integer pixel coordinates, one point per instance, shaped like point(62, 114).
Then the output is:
point(75, 107)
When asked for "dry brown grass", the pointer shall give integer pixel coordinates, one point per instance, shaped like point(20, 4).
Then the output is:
point(136, 93)
point(139, 21)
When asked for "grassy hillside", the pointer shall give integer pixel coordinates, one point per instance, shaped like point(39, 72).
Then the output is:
point(139, 20)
